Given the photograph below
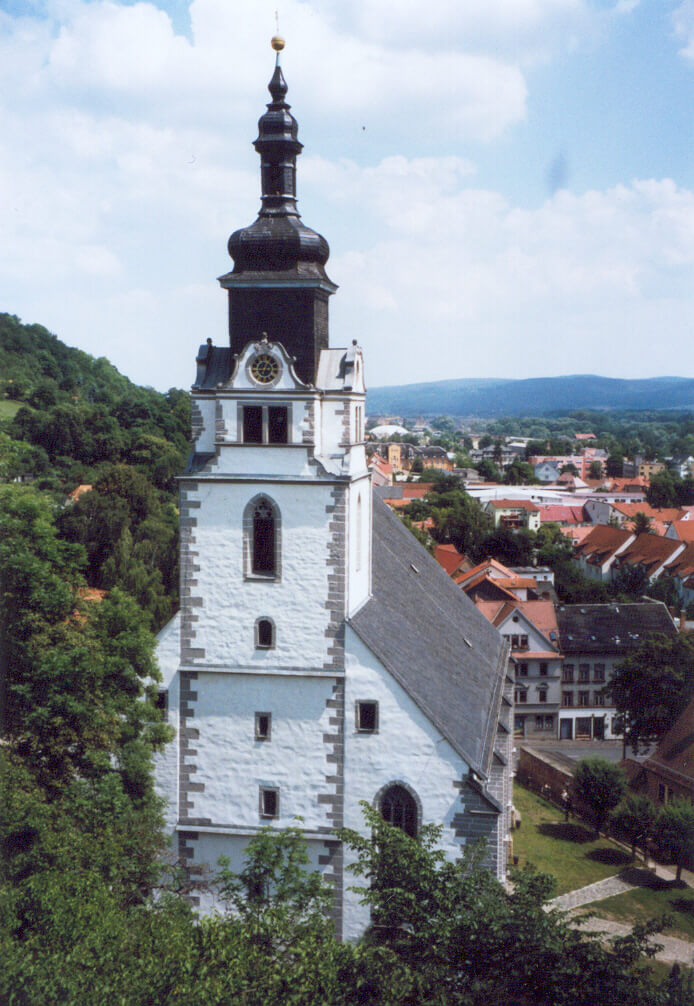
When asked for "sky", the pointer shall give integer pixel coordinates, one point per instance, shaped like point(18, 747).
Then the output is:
point(507, 186)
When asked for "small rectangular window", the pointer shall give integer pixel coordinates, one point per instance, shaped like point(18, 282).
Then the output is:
point(523, 670)
point(162, 702)
point(598, 698)
point(584, 698)
point(584, 672)
point(542, 696)
point(263, 726)
point(543, 669)
point(567, 698)
point(367, 716)
point(521, 697)
point(549, 722)
point(269, 802)
point(277, 424)
point(252, 424)
point(539, 723)
point(598, 672)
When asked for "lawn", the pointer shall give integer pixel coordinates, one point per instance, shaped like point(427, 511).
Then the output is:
point(649, 902)
point(9, 409)
point(568, 851)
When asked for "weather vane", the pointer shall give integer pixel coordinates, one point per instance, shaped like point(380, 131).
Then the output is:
point(277, 42)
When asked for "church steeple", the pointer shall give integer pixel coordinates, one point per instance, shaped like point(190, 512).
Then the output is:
point(278, 284)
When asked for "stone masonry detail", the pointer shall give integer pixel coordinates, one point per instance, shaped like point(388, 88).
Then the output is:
point(334, 742)
point(187, 736)
point(189, 568)
point(337, 558)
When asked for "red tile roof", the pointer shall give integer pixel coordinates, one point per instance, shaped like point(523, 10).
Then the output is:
point(683, 565)
point(562, 514)
point(449, 557)
point(509, 504)
point(684, 529)
point(648, 550)
point(602, 542)
point(656, 513)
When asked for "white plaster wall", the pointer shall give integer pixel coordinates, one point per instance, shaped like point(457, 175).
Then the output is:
point(209, 847)
point(166, 761)
point(407, 748)
point(232, 765)
point(331, 425)
point(205, 442)
point(263, 460)
point(232, 604)
point(359, 570)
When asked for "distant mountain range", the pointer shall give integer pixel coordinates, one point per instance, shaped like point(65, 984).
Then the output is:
point(534, 396)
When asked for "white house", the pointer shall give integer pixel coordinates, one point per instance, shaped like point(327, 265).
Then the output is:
point(321, 656)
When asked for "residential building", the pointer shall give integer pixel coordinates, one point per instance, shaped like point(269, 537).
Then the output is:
point(513, 514)
point(490, 580)
point(597, 552)
point(649, 553)
point(594, 638)
point(321, 656)
point(668, 773)
point(532, 631)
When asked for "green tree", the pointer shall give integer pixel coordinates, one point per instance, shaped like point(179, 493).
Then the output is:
point(615, 465)
point(634, 819)
point(450, 933)
point(663, 489)
point(642, 523)
point(651, 687)
point(595, 470)
point(599, 785)
point(676, 832)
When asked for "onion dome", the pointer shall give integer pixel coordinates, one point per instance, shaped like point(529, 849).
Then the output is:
point(278, 241)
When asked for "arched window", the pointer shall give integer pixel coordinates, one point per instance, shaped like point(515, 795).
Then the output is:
point(264, 634)
point(261, 533)
point(263, 538)
point(398, 807)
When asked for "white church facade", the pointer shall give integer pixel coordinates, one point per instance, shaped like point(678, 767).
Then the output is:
point(321, 657)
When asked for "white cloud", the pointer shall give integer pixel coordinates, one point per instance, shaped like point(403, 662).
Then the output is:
point(683, 21)
point(126, 160)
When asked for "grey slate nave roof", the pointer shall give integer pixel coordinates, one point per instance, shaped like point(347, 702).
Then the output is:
point(433, 640)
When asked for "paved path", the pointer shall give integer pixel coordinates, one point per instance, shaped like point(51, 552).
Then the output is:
point(593, 892)
point(674, 951)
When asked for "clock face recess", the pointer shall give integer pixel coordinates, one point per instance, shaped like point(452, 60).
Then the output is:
point(264, 368)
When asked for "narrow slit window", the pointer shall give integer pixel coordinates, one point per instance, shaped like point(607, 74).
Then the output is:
point(269, 802)
point(263, 726)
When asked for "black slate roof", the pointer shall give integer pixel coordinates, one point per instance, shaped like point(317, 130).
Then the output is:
point(610, 628)
point(215, 364)
point(433, 640)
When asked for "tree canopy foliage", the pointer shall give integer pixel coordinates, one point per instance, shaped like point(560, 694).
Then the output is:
point(651, 687)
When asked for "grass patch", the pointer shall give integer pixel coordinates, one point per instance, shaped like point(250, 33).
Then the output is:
point(648, 902)
point(567, 850)
point(9, 409)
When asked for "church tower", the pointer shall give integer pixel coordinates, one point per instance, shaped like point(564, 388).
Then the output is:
point(321, 657)
point(275, 536)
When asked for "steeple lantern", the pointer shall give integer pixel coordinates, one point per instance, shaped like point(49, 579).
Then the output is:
point(278, 284)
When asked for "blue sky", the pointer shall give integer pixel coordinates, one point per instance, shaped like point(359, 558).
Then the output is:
point(507, 186)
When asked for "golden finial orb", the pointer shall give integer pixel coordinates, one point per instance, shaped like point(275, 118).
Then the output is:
point(277, 43)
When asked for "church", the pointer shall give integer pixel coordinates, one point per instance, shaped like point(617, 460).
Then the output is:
point(321, 657)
